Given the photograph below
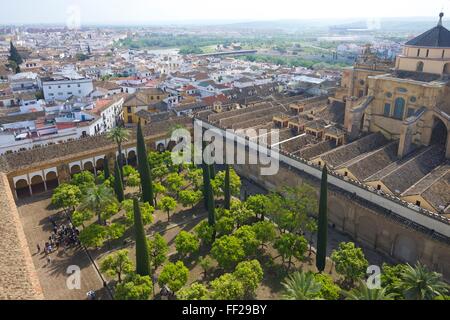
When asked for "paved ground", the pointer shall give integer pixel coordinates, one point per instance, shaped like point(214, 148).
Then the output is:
point(53, 276)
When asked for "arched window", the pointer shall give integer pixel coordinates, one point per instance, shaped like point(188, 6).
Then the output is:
point(447, 68)
point(399, 108)
point(419, 67)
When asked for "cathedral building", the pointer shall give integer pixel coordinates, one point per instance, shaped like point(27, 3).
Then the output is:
point(410, 101)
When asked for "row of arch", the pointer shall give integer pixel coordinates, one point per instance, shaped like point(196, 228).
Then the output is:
point(40, 183)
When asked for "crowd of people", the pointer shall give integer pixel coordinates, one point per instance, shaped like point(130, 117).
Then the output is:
point(63, 236)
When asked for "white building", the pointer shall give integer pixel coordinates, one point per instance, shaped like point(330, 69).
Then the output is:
point(62, 88)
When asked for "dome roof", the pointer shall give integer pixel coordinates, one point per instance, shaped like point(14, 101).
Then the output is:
point(438, 37)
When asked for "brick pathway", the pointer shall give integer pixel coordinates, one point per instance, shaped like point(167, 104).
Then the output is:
point(53, 276)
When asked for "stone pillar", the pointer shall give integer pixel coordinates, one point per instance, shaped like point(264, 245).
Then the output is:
point(405, 142)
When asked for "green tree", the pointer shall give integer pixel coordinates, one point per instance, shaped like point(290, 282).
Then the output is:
point(134, 180)
point(195, 178)
point(227, 287)
point(158, 189)
point(158, 250)
point(117, 264)
point(301, 286)
point(174, 182)
point(66, 197)
point(227, 188)
point(142, 254)
point(96, 200)
point(146, 212)
point(228, 251)
point(190, 198)
point(118, 186)
point(391, 279)
point(265, 232)
point(248, 239)
point(129, 171)
point(362, 292)
point(206, 263)
point(218, 183)
point(93, 236)
point(80, 217)
point(194, 292)
point(119, 135)
point(174, 275)
point(168, 204)
point(289, 246)
point(186, 243)
point(322, 232)
point(291, 209)
point(250, 274)
point(329, 290)
point(205, 232)
point(84, 180)
point(258, 204)
point(106, 168)
point(14, 55)
point(350, 262)
point(418, 283)
point(135, 287)
point(144, 168)
point(225, 226)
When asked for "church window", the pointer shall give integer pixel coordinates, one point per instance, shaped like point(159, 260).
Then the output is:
point(402, 90)
point(387, 110)
point(389, 95)
point(399, 108)
point(413, 99)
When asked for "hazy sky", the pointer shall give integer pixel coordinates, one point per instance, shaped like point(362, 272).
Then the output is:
point(154, 11)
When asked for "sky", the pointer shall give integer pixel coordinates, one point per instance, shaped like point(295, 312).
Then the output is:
point(160, 11)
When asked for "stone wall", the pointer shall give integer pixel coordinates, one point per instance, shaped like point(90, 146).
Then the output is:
point(18, 277)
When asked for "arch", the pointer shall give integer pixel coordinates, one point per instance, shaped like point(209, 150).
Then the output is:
point(89, 166)
point(446, 68)
point(399, 108)
point(161, 147)
point(22, 189)
point(37, 184)
point(439, 132)
point(405, 249)
point(132, 158)
point(100, 164)
point(75, 169)
point(419, 67)
point(51, 179)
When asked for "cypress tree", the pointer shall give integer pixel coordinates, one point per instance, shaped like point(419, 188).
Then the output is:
point(118, 186)
point(227, 188)
point(144, 168)
point(142, 255)
point(211, 203)
point(106, 168)
point(206, 181)
point(14, 54)
point(212, 171)
point(322, 232)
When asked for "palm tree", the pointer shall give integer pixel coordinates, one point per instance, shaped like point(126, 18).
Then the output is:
point(96, 199)
point(417, 283)
point(301, 286)
point(119, 135)
point(362, 292)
